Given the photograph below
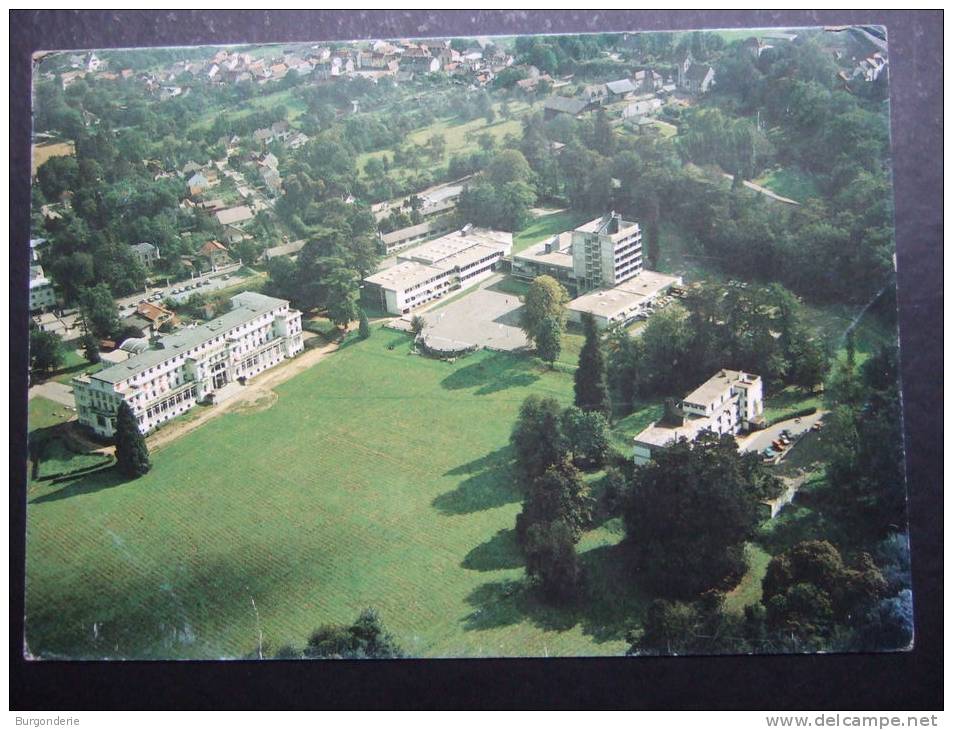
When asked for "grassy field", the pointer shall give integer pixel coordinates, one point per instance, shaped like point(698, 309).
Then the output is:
point(789, 183)
point(460, 137)
point(356, 487)
point(74, 364)
point(546, 226)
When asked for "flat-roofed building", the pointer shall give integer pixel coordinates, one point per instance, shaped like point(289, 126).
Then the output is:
point(429, 271)
point(402, 238)
point(552, 257)
point(729, 402)
point(192, 364)
point(42, 295)
point(623, 303)
point(606, 251)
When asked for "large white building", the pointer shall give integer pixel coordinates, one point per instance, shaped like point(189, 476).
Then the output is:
point(729, 402)
point(449, 263)
point(192, 364)
point(601, 262)
point(42, 295)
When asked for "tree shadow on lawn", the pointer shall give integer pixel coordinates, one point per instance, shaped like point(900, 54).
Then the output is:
point(610, 606)
point(500, 552)
point(490, 483)
point(493, 374)
point(88, 483)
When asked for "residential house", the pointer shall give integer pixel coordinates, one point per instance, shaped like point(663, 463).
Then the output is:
point(198, 184)
point(555, 105)
point(145, 253)
point(216, 253)
point(620, 89)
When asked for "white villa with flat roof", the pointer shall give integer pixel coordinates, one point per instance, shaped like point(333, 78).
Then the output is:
point(186, 367)
point(427, 272)
point(42, 295)
point(728, 402)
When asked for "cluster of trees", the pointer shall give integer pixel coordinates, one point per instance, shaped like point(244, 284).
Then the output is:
point(560, 54)
point(339, 252)
point(689, 512)
point(866, 464)
point(551, 445)
point(502, 194)
point(365, 638)
point(46, 351)
point(811, 600)
point(755, 329)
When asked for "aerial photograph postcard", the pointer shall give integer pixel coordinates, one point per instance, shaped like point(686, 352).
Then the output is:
point(532, 346)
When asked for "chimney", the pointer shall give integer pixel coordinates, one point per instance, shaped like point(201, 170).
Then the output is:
point(673, 415)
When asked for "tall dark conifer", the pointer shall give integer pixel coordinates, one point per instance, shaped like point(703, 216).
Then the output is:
point(592, 385)
point(132, 454)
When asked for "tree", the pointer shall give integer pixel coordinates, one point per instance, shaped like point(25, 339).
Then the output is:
point(807, 588)
point(549, 339)
point(551, 560)
point(90, 348)
point(366, 638)
point(132, 454)
point(46, 350)
point(437, 147)
point(587, 436)
point(559, 494)
point(341, 286)
point(591, 382)
point(690, 510)
point(417, 324)
point(537, 437)
point(99, 311)
point(364, 327)
point(546, 298)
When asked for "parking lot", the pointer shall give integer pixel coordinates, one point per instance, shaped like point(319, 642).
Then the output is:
point(796, 427)
point(181, 291)
point(482, 317)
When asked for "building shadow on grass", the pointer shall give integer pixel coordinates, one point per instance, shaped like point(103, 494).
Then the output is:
point(88, 483)
point(500, 552)
point(609, 607)
point(493, 374)
point(490, 483)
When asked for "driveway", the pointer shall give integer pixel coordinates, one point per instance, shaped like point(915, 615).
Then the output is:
point(58, 392)
point(760, 440)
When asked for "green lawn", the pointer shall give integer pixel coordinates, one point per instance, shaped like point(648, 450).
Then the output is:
point(546, 226)
point(43, 413)
point(460, 137)
point(376, 478)
point(74, 364)
point(789, 182)
point(748, 591)
point(625, 429)
point(788, 400)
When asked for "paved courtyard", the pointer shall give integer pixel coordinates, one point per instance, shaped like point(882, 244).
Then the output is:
point(482, 317)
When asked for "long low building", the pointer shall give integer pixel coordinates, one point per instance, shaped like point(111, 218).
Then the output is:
point(185, 368)
point(729, 402)
point(422, 274)
point(623, 303)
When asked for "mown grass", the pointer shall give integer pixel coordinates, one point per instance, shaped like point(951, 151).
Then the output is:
point(376, 478)
point(545, 226)
point(789, 182)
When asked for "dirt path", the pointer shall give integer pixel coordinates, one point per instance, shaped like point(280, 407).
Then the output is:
point(257, 392)
point(764, 191)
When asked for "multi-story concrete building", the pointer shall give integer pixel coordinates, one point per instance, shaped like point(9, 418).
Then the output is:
point(729, 402)
point(606, 251)
point(145, 253)
point(42, 295)
point(191, 365)
point(427, 272)
point(599, 263)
